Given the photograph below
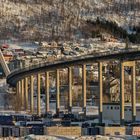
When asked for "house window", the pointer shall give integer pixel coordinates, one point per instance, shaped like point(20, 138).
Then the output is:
point(116, 107)
point(111, 107)
point(138, 109)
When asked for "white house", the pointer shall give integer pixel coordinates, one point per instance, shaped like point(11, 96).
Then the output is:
point(111, 111)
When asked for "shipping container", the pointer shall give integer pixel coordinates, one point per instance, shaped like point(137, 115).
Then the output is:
point(6, 120)
point(16, 132)
point(1, 132)
point(37, 130)
point(24, 131)
point(6, 131)
point(93, 131)
point(90, 131)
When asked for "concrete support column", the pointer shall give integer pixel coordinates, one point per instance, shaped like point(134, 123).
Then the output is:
point(32, 94)
point(84, 87)
point(100, 65)
point(47, 91)
point(70, 89)
point(19, 94)
point(134, 93)
point(17, 97)
point(57, 92)
point(19, 88)
point(22, 93)
point(121, 93)
point(38, 95)
point(26, 93)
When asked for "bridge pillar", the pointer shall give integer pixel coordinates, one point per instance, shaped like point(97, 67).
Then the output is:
point(70, 89)
point(32, 94)
point(22, 93)
point(26, 93)
point(17, 97)
point(38, 95)
point(84, 87)
point(47, 91)
point(100, 65)
point(121, 93)
point(133, 92)
point(19, 94)
point(133, 82)
point(57, 92)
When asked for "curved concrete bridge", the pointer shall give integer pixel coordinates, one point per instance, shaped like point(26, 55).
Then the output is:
point(20, 80)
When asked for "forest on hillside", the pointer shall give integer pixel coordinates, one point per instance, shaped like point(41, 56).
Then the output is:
point(39, 20)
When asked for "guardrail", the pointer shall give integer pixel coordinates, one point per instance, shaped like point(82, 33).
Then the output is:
point(79, 58)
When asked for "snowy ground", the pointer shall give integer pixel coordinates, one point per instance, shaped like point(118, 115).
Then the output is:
point(98, 137)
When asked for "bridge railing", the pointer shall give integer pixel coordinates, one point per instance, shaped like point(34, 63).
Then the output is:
point(57, 61)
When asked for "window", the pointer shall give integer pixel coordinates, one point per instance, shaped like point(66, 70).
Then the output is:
point(116, 107)
point(111, 107)
point(117, 133)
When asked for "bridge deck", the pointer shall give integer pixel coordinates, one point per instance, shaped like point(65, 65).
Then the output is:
point(126, 55)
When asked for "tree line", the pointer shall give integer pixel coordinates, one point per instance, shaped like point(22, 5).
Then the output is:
point(112, 28)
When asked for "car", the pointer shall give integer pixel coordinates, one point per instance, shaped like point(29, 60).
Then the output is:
point(20, 123)
point(34, 123)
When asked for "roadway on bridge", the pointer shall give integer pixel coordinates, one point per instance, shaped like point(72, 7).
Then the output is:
point(124, 55)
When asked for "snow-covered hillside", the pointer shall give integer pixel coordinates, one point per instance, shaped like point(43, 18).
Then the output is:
point(37, 19)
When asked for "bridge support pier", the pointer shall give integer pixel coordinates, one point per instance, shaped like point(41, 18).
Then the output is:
point(100, 65)
point(26, 93)
point(121, 93)
point(84, 87)
point(22, 93)
point(19, 94)
point(70, 90)
point(32, 94)
point(133, 92)
point(38, 95)
point(16, 98)
point(17, 106)
point(133, 82)
point(57, 92)
point(47, 91)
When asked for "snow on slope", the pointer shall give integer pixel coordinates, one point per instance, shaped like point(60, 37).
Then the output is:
point(32, 17)
point(116, 10)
